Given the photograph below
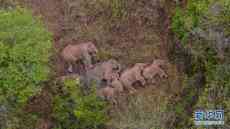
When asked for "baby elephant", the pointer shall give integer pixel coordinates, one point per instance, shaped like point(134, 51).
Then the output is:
point(117, 85)
point(153, 70)
point(111, 69)
point(76, 52)
point(107, 93)
point(111, 91)
point(132, 75)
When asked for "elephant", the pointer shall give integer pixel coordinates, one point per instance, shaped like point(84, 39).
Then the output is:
point(132, 75)
point(84, 52)
point(107, 93)
point(117, 85)
point(153, 70)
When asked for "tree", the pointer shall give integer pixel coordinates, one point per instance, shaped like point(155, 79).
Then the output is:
point(24, 56)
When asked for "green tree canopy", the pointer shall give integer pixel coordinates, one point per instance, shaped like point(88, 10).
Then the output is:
point(24, 55)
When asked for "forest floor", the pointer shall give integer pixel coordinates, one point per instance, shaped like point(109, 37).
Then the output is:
point(127, 32)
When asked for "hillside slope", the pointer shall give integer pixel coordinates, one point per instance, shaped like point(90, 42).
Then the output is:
point(130, 32)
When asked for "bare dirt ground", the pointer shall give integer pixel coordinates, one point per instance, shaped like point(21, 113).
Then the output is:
point(137, 33)
point(138, 38)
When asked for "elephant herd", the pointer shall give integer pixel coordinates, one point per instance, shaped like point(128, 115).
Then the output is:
point(108, 76)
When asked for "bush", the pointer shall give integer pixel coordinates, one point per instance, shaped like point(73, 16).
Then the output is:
point(210, 54)
point(25, 50)
point(184, 21)
point(75, 110)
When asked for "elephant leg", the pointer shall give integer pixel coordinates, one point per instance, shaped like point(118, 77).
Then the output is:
point(141, 79)
point(70, 68)
point(113, 101)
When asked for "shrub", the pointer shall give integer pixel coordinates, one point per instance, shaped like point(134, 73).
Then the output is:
point(205, 50)
point(25, 49)
point(75, 110)
point(184, 21)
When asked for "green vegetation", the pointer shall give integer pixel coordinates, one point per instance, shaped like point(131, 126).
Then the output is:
point(74, 109)
point(209, 57)
point(24, 65)
point(118, 8)
point(25, 50)
point(184, 21)
point(24, 46)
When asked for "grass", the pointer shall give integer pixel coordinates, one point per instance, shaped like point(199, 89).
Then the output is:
point(143, 111)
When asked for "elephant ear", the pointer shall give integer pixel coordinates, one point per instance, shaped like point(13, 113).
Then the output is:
point(92, 47)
